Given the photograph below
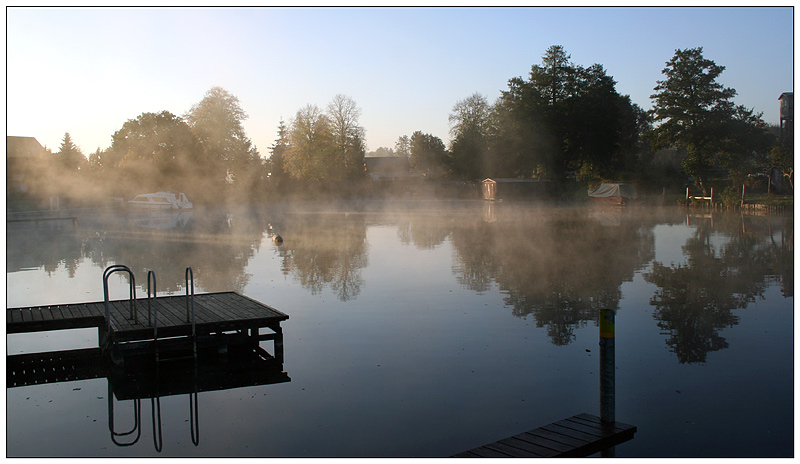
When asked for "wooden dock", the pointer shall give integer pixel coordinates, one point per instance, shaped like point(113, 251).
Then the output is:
point(577, 436)
point(248, 367)
point(221, 319)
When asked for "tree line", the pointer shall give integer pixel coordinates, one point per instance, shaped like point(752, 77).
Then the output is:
point(567, 122)
point(563, 122)
point(204, 153)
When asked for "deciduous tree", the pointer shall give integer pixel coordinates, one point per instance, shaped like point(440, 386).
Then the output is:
point(745, 145)
point(428, 155)
point(348, 136)
point(403, 146)
point(157, 151)
point(781, 157)
point(217, 122)
point(469, 129)
point(310, 155)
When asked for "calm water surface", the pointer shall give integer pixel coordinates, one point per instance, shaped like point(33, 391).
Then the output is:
point(429, 329)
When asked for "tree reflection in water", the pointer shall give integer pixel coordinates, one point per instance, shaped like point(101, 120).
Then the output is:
point(695, 300)
point(557, 266)
point(560, 267)
point(325, 249)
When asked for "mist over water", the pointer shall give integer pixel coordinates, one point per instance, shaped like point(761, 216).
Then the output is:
point(429, 328)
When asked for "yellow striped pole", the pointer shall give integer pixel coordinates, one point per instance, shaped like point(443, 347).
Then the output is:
point(607, 365)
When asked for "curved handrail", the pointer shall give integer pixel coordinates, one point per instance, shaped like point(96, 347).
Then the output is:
point(151, 273)
point(190, 298)
point(190, 306)
point(110, 270)
point(137, 413)
point(154, 322)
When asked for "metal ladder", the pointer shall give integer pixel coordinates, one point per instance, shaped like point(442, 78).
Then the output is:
point(152, 305)
point(190, 308)
point(152, 319)
point(153, 322)
point(106, 340)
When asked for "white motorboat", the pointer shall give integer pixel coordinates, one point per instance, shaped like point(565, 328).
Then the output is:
point(161, 200)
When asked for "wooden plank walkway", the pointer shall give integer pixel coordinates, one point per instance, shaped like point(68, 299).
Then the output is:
point(221, 320)
point(56, 317)
point(577, 436)
point(213, 312)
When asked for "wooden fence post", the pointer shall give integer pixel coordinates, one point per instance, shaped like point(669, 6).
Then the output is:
point(742, 195)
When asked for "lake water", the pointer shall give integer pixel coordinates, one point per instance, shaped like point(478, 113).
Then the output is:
point(429, 328)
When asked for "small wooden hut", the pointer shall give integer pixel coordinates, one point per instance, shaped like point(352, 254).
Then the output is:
point(516, 188)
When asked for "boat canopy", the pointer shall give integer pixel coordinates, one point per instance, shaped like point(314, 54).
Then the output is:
point(614, 190)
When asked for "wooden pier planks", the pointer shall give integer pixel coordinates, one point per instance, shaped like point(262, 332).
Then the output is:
point(577, 436)
point(58, 317)
point(213, 312)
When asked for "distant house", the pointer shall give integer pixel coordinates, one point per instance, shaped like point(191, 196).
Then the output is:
point(388, 168)
point(22, 156)
point(787, 113)
point(516, 188)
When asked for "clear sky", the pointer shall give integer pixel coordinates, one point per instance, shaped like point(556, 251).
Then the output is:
point(87, 71)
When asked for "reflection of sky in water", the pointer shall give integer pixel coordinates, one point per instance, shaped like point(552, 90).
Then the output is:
point(670, 238)
point(668, 242)
point(36, 288)
point(415, 362)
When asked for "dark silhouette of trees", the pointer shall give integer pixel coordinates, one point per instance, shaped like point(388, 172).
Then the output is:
point(564, 121)
point(403, 146)
point(278, 172)
point(157, 151)
point(565, 118)
point(69, 156)
point(469, 129)
point(428, 155)
point(695, 113)
point(781, 157)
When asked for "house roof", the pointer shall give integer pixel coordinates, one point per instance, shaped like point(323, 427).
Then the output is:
point(23, 147)
point(387, 164)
